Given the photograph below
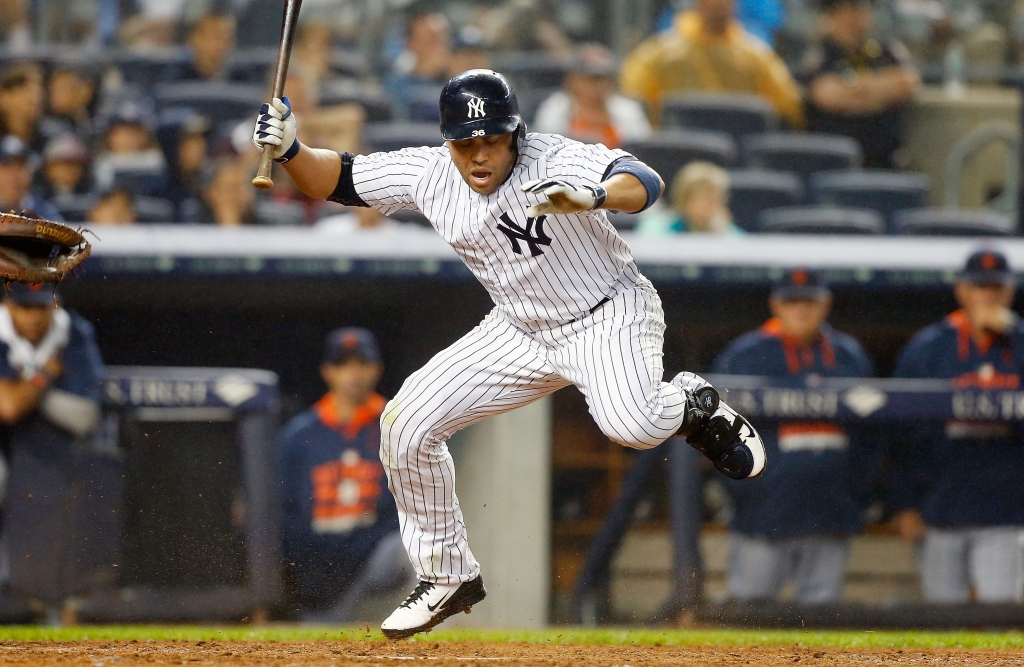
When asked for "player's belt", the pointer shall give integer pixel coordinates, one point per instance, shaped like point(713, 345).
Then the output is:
point(599, 304)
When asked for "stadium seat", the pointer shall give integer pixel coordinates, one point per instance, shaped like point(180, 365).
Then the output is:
point(623, 222)
point(146, 68)
point(252, 65)
point(879, 190)
point(801, 153)
point(754, 190)
point(529, 71)
point(154, 209)
point(376, 105)
point(819, 220)
point(668, 151)
point(734, 114)
point(953, 222)
point(217, 101)
point(74, 208)
point(280, 213)
point(395, 136)
point(141, 181)
point(409, 216)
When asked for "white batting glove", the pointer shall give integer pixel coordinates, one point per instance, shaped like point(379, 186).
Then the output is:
point(275, 126)
point(564, 197)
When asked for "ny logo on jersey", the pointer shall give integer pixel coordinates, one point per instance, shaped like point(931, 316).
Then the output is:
point(533, 234)
point(476, 107)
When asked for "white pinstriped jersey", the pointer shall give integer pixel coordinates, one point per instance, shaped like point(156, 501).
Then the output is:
point(539, 272)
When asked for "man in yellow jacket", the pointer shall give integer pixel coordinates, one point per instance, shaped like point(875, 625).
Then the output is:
point(708, 50)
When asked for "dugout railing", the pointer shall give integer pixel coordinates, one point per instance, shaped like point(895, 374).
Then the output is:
point(168, 513)
point(848, 400)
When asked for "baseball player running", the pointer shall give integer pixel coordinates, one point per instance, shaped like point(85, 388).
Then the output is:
point(526, 213)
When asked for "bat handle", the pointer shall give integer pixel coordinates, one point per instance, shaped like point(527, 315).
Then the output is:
point(263, 180)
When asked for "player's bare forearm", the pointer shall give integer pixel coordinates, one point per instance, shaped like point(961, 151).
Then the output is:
point(315, 171)
point(18, 398)
point(626, 193)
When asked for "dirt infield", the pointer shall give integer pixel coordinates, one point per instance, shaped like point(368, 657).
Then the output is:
point(343, 653)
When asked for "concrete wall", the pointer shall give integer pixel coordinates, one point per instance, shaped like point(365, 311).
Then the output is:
point(503, 473)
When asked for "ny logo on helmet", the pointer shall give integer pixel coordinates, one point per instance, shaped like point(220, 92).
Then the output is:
point(476, 108)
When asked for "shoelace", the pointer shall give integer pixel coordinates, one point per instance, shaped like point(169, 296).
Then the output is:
point(421, 589)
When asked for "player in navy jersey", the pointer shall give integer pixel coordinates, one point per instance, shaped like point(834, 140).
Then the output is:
point(526, 214)
point(50, 374)
point(341, 536)
point(795, 522)
point(958, 484)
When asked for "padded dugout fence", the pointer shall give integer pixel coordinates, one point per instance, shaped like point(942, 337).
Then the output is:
point(169, 513)
point(836, 399)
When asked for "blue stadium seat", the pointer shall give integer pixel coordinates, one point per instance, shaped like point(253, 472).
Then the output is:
point(141, 181)
point(754, 190)
point(734, 114)
point(953, 222)
point(147, 68)
point(668, 151)
point(252, 65)
point(395, 136)
point(280, 213)
point(819, 220)
point(376, 104)
point(154, 210)
point(879, 190)
point(623, 222)
point(217, 101)
point(528, 71)
point(800, 152)
point(74, 208)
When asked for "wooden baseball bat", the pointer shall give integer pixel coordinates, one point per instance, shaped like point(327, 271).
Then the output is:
point(284, 55)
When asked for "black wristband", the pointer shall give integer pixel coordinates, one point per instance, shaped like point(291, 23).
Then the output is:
point(345, 192)
point(290, 153)
point(600, 196)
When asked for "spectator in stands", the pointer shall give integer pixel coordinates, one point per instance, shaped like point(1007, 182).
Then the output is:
point(211, 40)
point(315, 51)
point(708, 50)
point(341, 536)
point(21, 103)
point(527, 25)
point(700, 204)
point(129, 144)
point(114, 207)
point(71, 92)
point(16, 180)
point(358, 219)
point(187, 158)
point(857, 85)
point(65, 169)
point(50, 373)
point(228, 196)
point(794, 523)
point(588, 108)
point(957, 485)
point(422, 68)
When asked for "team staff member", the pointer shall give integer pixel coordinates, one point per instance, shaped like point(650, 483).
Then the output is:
point(340, 528)
point(958, 484)
point(795, 522)
point(524, 212)
point(50, 373)
point(857, 85)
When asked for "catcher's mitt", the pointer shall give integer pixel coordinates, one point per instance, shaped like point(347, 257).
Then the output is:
point(34, 250)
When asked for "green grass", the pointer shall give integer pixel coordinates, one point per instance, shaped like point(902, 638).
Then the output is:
point(843, 639)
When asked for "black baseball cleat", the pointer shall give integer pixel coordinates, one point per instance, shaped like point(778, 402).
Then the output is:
point(429, 604)
point(719, 432)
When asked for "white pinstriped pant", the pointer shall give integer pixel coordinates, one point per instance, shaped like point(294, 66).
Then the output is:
point(614, 356)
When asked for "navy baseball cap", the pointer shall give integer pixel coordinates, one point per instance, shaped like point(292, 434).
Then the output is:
point(350, 342)
point(800, 284)
point(987, 267)
point(31, 294)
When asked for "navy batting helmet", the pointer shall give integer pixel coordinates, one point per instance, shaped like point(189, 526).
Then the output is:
point(479, 103)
